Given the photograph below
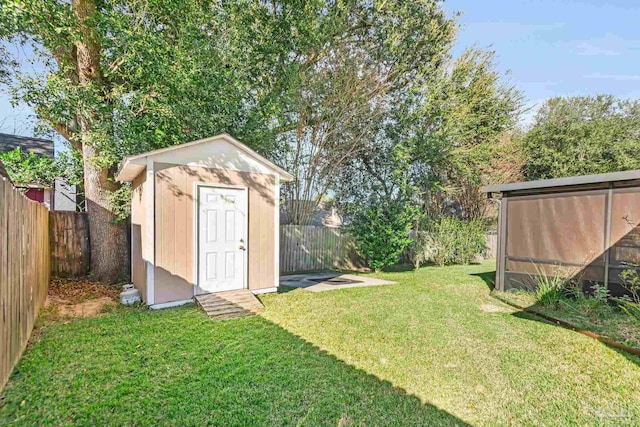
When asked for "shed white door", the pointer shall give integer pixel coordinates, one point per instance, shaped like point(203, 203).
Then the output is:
point(222, 238)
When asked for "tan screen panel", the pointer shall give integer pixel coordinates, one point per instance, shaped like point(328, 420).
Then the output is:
point(625, 230)
point(590, 272)
point(562, 228)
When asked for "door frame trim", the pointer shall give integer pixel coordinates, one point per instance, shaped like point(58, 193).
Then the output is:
point(196, 231)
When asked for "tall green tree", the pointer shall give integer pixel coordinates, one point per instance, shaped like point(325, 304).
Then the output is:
point(6, 64)
point(311, 84)
point(471, 105)
point(583, 135)
point(125, 76)
point(441, 144)
point(368, 65)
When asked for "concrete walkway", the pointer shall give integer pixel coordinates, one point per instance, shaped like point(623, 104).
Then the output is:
point(320, 282)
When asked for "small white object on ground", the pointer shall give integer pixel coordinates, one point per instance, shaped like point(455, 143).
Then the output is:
point(129, 295)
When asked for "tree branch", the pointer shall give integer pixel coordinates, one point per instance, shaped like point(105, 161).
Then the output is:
point(67, 133)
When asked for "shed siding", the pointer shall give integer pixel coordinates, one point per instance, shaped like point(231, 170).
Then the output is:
point(626, 208)
point(138, 234)
point(175, 227)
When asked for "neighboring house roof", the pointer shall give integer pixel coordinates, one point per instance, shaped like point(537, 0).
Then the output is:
point(39, 146)
point(35, 186)
point(209, 152)
point(564, 182)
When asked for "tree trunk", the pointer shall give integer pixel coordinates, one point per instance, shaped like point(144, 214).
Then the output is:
point(108, 238)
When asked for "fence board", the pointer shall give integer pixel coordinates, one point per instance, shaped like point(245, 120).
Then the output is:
point(69, 234)
point(308, 248)
point(24, 272)
point(491, 248)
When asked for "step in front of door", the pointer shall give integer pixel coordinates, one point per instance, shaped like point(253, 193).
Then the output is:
point(229, 304)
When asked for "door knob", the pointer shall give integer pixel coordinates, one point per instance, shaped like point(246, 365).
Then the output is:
point(242, 248)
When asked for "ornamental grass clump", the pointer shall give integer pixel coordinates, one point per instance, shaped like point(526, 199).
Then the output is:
point(550, 287)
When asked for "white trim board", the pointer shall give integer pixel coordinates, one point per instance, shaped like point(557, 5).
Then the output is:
point(150, 224)
point(264, 290)
point(238, 153)
point(276, 227)
point(171, 304)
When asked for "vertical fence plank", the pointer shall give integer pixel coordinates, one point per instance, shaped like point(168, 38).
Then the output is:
point(307, 248)
point(4, 363)
point(24, 272)
point(69, 235)
point(491, 246)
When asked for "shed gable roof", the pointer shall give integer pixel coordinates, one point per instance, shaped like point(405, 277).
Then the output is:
point(220, 152)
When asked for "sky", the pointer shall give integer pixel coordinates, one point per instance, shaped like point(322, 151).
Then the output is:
point(557, 48)
point(549, 47)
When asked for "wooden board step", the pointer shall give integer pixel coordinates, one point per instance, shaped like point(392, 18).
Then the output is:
point(229, 304)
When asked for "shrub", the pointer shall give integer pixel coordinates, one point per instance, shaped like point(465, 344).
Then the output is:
point(592, 303)
point(451, 241)
point(630, 304)
point(382, 232)
point(420, 250)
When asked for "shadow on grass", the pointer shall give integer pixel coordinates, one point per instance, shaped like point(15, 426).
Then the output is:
point(398, 268)
point(488, 277)
point(283, 289)
point(178, 367)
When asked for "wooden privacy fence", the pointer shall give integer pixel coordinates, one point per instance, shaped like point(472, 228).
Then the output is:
point(308, 247)
point(24, 272)
point(70, 252)
point(491, 248)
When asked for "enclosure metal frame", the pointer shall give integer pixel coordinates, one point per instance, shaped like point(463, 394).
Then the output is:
point(557, 187)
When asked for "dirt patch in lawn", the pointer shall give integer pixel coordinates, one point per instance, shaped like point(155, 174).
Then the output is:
point(490, 308)
point(69, 298)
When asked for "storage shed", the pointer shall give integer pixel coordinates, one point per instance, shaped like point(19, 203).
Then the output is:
point(585, 226)
point(204, 218)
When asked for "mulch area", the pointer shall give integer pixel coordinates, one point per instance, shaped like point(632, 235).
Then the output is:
point(70, 298)
point(76, 291)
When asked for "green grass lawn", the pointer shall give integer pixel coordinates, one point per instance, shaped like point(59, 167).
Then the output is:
point(436, 349)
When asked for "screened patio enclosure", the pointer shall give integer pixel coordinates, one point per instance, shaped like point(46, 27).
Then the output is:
point(585, 227)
